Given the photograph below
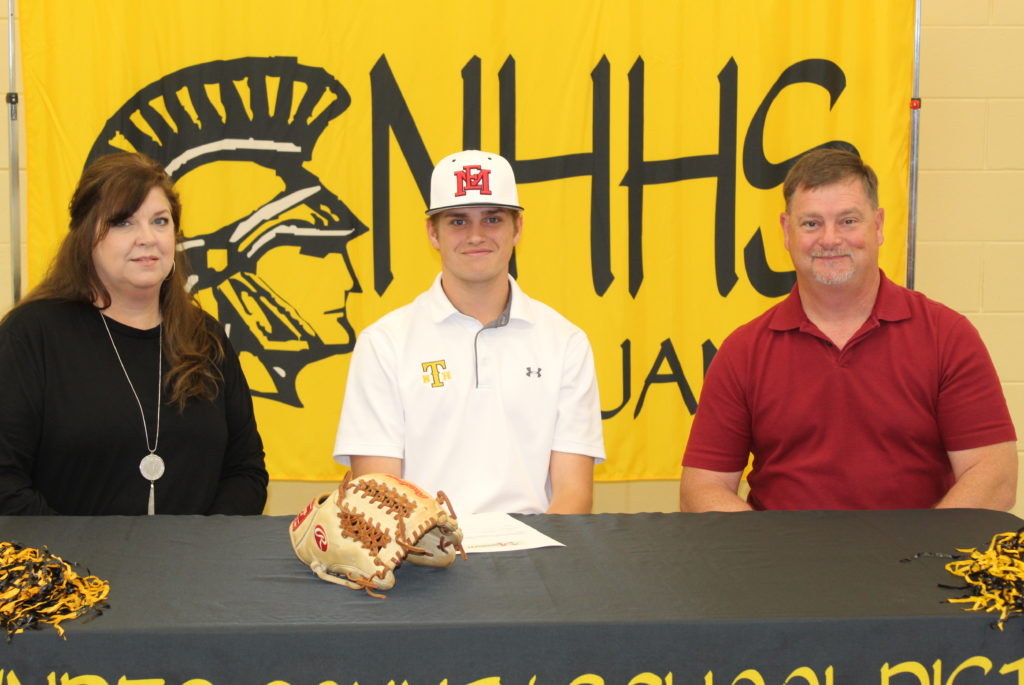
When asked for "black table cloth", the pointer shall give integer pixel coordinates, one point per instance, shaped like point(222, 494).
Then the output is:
point(658, 599)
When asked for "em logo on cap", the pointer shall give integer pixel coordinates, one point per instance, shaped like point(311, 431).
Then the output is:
point(472, 178)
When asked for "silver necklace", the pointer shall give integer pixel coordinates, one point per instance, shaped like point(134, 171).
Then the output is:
point(152, 465)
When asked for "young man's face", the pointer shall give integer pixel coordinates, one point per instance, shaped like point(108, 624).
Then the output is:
point(475, 243)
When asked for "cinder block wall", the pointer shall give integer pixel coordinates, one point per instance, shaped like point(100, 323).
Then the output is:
point(970, 243)
point(970, 248)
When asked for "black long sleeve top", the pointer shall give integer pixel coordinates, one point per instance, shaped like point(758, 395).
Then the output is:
point(71, 434)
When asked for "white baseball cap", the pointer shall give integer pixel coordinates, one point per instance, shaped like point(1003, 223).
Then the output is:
point(472, 178)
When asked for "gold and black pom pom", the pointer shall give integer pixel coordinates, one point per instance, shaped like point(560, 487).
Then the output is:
point(994, 578)
point(39, 588)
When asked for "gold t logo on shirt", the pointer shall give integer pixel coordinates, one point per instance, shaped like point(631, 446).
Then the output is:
point(435, 373)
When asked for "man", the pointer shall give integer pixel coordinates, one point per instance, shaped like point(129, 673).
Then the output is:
point(853, 392)
point(474, 388)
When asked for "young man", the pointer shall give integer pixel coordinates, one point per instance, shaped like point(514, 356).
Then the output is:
point(474, 388)
point(852, 393)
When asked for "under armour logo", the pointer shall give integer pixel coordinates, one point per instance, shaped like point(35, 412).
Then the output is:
point(530, 371)
point(473, 178)
point(435, 373)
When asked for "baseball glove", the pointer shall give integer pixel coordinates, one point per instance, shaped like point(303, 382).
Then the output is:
point(359, 534)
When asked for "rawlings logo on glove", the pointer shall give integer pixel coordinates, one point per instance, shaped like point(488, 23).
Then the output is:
point(358, 535)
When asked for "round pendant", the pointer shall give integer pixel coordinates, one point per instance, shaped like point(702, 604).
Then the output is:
point(152, 467)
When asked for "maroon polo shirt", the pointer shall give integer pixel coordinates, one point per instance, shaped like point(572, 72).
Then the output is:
point(865, 427)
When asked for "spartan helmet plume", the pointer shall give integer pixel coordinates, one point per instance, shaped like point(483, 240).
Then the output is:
point(265, 111)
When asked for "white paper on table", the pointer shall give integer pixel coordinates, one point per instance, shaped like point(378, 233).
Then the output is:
point(500, 533)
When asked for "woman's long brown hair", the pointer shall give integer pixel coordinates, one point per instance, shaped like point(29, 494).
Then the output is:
point(111, 189)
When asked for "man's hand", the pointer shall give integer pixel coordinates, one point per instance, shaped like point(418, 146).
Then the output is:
point(986, 478)
point(706, 490)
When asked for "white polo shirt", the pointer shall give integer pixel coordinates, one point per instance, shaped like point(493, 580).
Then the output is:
point(472, 410)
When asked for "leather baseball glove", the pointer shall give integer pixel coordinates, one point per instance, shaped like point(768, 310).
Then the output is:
point(359, 534)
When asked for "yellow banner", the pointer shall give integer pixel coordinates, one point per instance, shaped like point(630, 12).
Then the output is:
point(650, 140)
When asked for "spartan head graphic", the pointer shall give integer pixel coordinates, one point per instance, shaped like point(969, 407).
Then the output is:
point(262, 114)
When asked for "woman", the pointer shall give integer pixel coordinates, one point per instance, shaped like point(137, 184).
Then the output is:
point(119, 395)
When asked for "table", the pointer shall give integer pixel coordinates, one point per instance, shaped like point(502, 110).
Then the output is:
point(805, 598)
